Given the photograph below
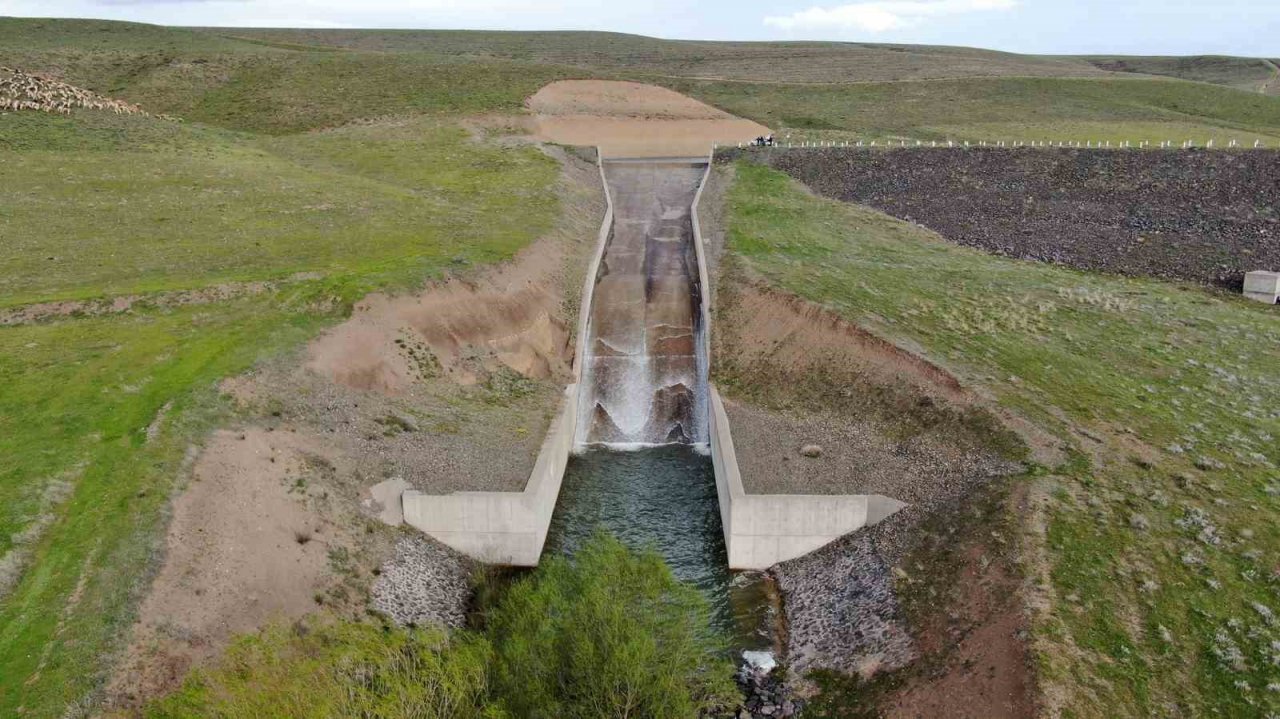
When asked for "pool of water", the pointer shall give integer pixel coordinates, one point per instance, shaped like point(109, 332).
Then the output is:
point(664, 498)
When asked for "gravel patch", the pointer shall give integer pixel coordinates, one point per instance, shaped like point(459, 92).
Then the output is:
point(439, 437)
point(855, 457)
point(425, 583)
point(1204, 216)
point(841, 610)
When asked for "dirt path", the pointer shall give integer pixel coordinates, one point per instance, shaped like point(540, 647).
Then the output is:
point(629, 119)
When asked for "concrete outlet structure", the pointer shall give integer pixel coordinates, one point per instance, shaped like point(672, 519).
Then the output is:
point(759, 529)
point(1262, 286)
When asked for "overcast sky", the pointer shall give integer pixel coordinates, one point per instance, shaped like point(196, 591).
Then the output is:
point(1238, 27)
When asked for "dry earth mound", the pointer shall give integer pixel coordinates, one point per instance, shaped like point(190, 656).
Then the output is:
point(1204, 216)
point(22, 91)
point(630, 119)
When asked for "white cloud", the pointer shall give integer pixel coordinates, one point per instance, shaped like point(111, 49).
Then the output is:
point(880, 16)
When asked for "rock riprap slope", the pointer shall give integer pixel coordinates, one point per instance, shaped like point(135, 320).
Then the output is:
point(1204, 216)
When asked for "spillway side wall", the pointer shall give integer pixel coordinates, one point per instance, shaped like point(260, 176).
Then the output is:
point(761, 530)
point(511, 527)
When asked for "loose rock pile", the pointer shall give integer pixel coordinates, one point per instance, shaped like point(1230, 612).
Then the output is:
point(1204, 216)
point(424, 584)
point(767, 695)
point(842, 612)
point(22, 91)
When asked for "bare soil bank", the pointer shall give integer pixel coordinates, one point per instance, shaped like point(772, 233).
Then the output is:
point(1203, 216)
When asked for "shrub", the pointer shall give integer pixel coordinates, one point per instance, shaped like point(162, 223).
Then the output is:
point(340, 670)
point(607, 633)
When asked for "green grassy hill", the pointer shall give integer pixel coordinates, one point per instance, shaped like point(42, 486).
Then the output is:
point(268, 188)
point(281, 81)
point(816, 62)
point(1003, 109)
point(269, 238)
point(1243, 73)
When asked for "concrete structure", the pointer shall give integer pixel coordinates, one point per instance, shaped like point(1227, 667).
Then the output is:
point(502, 527)
point(1262, 286)
point(761, 530)
point(511, 527)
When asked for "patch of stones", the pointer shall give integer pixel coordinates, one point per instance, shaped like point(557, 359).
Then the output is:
point(842, 613)
point(425, 583)
point(767, 695)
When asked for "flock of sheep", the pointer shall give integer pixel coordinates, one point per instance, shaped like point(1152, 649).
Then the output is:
point(21, 91)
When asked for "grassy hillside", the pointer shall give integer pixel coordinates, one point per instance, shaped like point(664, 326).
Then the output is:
point(1003, 109)
point(1156, 561)
point(97, 412)
point(213, 207)
point(282, 81)
point(816, 62)
point(1243, 73)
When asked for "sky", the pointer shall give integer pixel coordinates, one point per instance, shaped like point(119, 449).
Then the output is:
point(1143, 27)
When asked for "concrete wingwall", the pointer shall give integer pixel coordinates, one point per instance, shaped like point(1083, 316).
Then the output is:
point(761, 530)
point(511, 527)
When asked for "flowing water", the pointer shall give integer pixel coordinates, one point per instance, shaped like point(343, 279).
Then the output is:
point(644, 384)
point(643, 373)
point(664, 498)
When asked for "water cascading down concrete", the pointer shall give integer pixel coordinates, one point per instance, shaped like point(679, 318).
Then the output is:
point(644, 365)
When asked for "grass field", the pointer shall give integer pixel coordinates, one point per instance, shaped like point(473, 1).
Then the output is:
point(200, 207)
point(1243, 73)
point(101, 205)
point(1002, 109)
point(1158, 554)
point(281, 81)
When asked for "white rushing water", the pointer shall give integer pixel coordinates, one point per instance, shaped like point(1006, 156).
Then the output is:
point(644, 370)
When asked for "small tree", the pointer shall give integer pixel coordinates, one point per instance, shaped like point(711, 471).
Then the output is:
point(607, 633)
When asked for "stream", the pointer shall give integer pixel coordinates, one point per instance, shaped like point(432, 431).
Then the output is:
point(665, 498)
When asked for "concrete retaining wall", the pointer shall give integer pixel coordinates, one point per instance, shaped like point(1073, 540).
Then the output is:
point(761, 530)
point(502, 527)
point(511, 527)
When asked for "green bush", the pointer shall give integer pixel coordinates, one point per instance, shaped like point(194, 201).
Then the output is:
point(605, 633)
point(341, 670)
